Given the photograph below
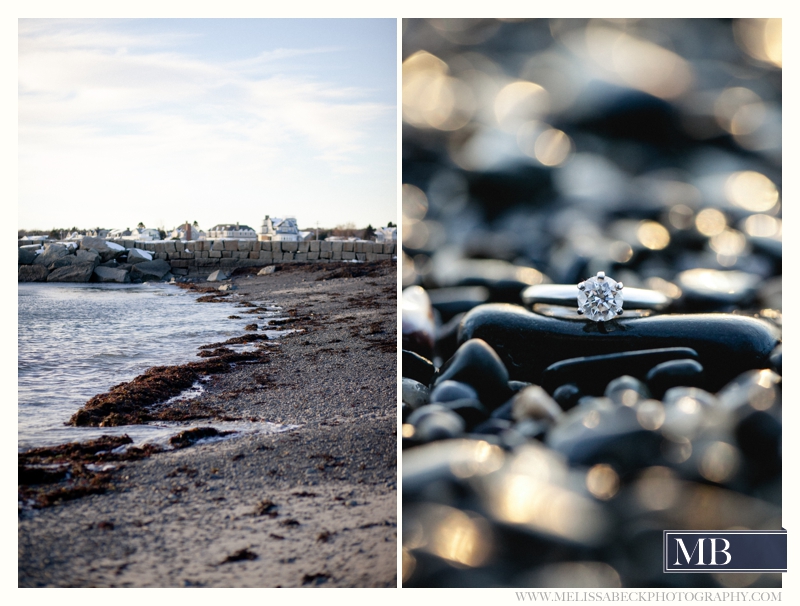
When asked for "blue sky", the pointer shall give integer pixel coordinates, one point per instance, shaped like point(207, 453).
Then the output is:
point(213, 120)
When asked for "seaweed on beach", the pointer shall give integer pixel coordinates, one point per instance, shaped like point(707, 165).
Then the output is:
point(129, 403)
point(67, 476)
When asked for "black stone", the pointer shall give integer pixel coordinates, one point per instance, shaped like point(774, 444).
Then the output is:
point(457, 300)
point(674, 373)
point(445, 391)
point(759, 436)
point(528, 343)
point(447, 338)
point(476, 364)
point(471, 410)
point(504, 412)
point(435, 422)
point(567, 395)
point(593, 373)
point(615, 437)
point(418, 368)
point(493, 427)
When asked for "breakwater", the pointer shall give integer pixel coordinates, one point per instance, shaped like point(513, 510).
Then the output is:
point(97, 259)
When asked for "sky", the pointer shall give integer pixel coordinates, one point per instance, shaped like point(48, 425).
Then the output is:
point(161, 121)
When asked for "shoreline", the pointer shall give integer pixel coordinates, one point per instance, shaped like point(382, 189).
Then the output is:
point(312, 506)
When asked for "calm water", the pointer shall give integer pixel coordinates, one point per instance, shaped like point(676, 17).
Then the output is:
point(78, 340)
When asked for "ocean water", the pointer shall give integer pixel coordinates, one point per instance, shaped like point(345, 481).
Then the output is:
point(79, 340)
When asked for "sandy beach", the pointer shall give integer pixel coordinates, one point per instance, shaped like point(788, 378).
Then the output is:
point(312, 506)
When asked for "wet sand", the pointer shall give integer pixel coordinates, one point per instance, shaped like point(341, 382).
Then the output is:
point(314, 506)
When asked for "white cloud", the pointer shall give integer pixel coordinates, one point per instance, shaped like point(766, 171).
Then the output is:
point(105, 106)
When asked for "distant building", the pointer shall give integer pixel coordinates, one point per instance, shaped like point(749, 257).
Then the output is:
point(282, 229)
point(145, 233)
point(119, 233)
point(386, 234)
point(226, 230)
point(187, 231)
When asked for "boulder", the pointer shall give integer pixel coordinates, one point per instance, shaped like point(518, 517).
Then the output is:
point(136, 255)
point(269, 269)
point(218, 275)
point(79, 272)
point(111, 274)
point(107, 250)
point(32, 273)
point(88, 256)
point(51, 254)
point(150, 270)
point(27, 256)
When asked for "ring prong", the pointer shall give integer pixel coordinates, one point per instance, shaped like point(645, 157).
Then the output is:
point(581, 286)
point(580, 311)
point(601, 275)
point(619, 311)
point(619, 285)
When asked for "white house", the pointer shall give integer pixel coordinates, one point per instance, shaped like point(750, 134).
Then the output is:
point(226, 230)
point(282, 229)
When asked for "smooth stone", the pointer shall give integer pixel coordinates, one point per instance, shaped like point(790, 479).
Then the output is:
point(527, 343)
point(477, 364)
point(458, 299)
point(415, 394)
point(597, 434)
point(26, 256)
point(218, 275)
point(32, 273)
point(626, 390)
point(424, 410)
point(776, 359)
point(593, 373)
point(147, 270)
point(419, 328)
point(502, 279)
point(516, 386)
point(264, 271)
point(446, 391)
point(79, 272)
point(493, 427)
point(469, 409)
point(674, 373)
point(111, 274)
point(447, 337)
point(534, 403)
point(567, 396)
point(705, 289)
point(532, 430)
point(418, 368)
point(439, 425)
point(505, 411)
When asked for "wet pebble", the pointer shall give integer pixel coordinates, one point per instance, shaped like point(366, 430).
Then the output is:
point(418, 321)
point(534, 403)
point(567, 395)
point(477, 364)
point(626, 390)
point(418, 368)
point(593, 373)
point(674, 373)
point(435, 422)
point(415, 394)
point(457, 300)
point(452, 390)
point(710, 289)
point(528, 343)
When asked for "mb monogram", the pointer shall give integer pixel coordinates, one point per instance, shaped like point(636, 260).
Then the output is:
point(725, 551)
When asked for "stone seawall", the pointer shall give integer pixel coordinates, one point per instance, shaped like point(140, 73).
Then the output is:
point(120, 260)
point(205, 256)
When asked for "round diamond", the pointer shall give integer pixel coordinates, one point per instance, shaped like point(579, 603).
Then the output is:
point(600, 298)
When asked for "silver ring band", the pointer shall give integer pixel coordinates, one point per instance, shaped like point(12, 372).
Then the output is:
point(566, 294)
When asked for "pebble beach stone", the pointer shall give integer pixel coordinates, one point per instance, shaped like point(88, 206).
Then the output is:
point(528, 343)
point(477, 364)
point(418, 368)
point(674, 373)
point(418, 323)
point(446, 391)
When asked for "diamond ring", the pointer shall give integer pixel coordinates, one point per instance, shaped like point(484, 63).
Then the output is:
point(600, 298)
